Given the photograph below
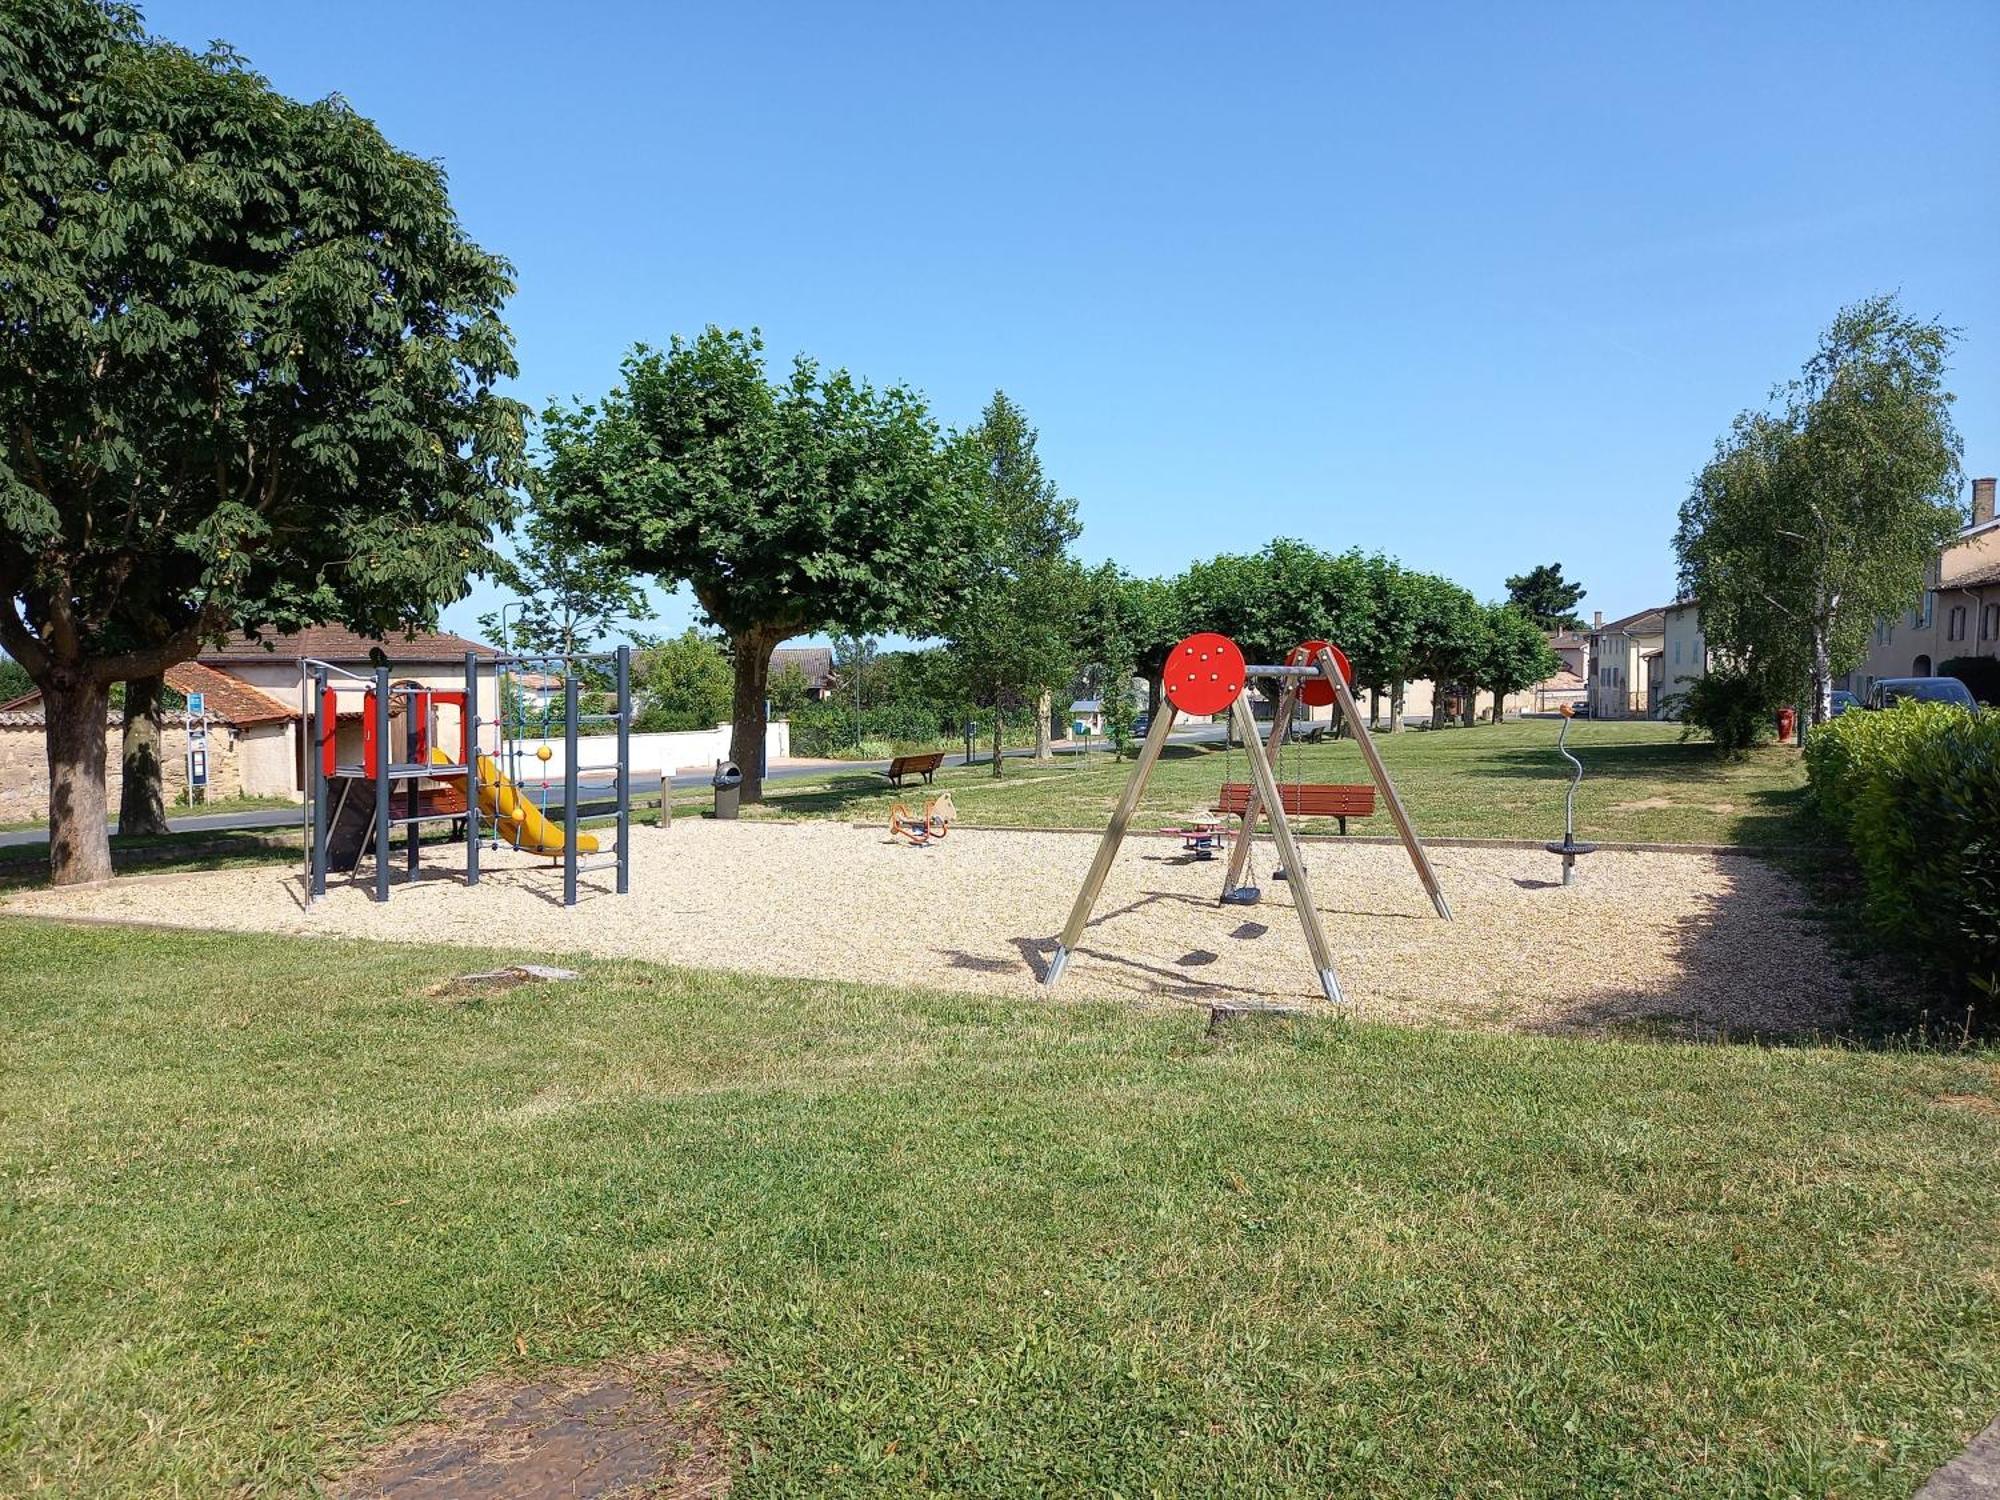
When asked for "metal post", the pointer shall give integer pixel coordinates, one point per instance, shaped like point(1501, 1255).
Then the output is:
point(1262, 777)
point(1411, 843)
point(382, 759)
point(469, 732)
point(412, 736)
point(569, 783)
point(1239, 855)
point(624, 769)
point(1114, 835)
point(316, 784)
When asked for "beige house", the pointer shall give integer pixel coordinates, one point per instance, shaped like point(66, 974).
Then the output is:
point(1684, 653)
point(1958, 615)
point(1627, 671)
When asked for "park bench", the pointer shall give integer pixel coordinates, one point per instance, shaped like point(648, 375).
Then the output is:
point(1305, 799)
point(925, 765)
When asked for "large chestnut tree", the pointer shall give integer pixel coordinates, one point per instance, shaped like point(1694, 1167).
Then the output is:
point(247, 375)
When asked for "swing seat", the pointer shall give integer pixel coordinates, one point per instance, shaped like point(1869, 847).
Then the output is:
point(1305, 799)
point(1202, 840)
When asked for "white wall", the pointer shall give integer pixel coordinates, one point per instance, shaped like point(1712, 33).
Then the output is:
point(689, 750)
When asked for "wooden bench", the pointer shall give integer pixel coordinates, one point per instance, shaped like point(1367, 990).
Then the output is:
point(1305, 799)
point(925, 765)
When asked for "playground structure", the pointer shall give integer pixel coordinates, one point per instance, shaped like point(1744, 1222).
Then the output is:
point(1207, 675)
point(421, 760)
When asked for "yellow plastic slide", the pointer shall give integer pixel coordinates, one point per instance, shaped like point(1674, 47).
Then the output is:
point(519, 821)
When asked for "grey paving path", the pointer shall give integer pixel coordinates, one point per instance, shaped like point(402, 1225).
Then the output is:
point(1973, 1475)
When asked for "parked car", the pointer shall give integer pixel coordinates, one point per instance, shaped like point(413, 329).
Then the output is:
point(1843, 701)
point(1141, 727)
point(1893, 690)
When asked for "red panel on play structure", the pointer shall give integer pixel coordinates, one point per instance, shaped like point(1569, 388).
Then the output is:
point(1317, 690)
point(1204, 674)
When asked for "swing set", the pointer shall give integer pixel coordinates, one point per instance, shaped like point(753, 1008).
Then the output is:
point(1207, 675)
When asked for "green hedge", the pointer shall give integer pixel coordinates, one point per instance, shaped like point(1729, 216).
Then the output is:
point(1915, 792)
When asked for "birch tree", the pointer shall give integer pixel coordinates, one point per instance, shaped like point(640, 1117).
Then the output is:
point(1823, 512)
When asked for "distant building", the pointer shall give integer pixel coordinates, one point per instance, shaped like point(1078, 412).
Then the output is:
point(1958, 613)
point(815, 664)
point(1684, 651)
point(1626, 669)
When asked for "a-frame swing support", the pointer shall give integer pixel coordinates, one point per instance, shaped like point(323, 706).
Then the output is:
point(1239, 854)
point(1228, 686)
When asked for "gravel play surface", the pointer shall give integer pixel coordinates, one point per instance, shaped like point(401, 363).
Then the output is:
point(1706, 941)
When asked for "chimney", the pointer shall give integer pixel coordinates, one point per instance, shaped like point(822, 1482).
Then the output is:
point(1597, 619)
point(1982, 501)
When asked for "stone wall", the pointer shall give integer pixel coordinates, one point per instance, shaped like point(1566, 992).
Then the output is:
point(24, 768)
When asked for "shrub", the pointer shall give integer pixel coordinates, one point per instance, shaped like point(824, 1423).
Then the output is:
point(1980, 674)
point(1915, 790)
point(1736, 709)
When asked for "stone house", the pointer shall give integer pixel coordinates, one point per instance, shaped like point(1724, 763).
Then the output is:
point(253, 691)
point(250, 745)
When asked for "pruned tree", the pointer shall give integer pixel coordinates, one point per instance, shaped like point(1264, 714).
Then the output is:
point(1382, 653)
point(1514, 654)
point(1449, 639)
point(1013, 625)
point(247, 370)
point(1823, 513)
point(1546, 597)
point(810, 504)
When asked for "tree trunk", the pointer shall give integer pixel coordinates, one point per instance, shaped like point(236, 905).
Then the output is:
point(1822, 681)
point(1044, 744)
point(1374, 708)
point(1153, 682)
point(1396, 708)
point(1468, 712)
point(79, 835)
point(996, 738)
point(751, 650)
point(141, 808)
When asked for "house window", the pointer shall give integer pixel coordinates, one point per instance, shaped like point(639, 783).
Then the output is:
point(1677, 653)
point(1989, 622)
point(1954, 629)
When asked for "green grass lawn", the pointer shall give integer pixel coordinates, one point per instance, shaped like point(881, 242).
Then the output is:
point(262, 1200)
point(1641, 782)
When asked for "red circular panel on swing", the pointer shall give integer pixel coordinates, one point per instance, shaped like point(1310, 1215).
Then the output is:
point(1317, 690)
point(1204, 674)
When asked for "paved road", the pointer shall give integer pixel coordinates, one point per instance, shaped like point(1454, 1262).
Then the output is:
point(288, 817)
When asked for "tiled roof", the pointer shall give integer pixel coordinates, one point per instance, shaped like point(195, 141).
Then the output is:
point(228, 700)
point(346, 648)
point(1977, 578)
point(815, 662)
point(1645, 622)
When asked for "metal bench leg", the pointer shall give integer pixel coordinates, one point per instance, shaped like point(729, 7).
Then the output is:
point(1343, 825)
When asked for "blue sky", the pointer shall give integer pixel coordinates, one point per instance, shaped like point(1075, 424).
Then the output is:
point(1478, 286)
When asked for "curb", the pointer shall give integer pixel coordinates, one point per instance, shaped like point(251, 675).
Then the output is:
point(1746, 851)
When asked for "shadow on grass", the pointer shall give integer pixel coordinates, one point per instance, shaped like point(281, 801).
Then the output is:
point(1616, 762)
